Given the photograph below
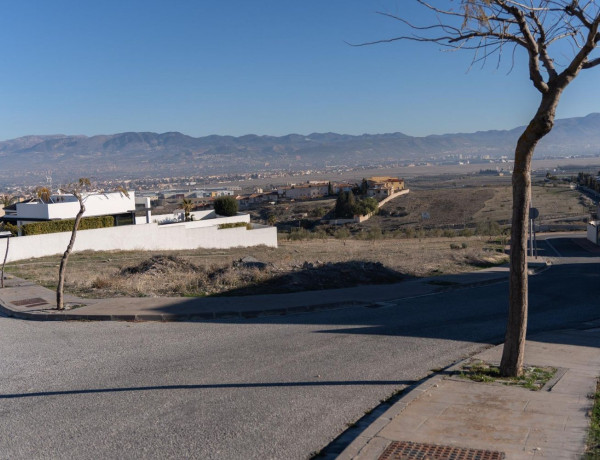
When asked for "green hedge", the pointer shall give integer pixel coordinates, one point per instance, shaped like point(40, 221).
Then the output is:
point(235, 225)
point(56, 226)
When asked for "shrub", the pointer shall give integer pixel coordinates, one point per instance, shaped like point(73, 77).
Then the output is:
point(466, 232)
point(374, 234)
point(235, 225)
point(320, 234)
point(488, 228)
point(318, 212)
point(8, 227)
point(436, 232)
point(297, 234)
point(56, 226)
point(409, 232)
point(454, 246)
point(341, 233)
point(226, 206)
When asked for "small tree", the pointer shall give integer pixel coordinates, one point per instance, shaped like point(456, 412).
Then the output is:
point(364, 187)
point(226, 206)
point(345, 204)
point(187, 206)
point(4, 261)
point(76, 190)
point(330, 189)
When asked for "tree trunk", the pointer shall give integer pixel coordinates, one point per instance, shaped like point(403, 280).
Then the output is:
point(4, 262)
point(63, 262)
point(513, 353)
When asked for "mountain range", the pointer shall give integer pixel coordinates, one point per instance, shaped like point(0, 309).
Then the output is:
point(174, 153)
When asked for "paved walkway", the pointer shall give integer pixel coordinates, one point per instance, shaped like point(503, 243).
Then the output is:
point(453, 415)
point(23, 299)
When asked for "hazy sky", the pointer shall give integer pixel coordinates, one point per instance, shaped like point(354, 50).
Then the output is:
point(240, 66)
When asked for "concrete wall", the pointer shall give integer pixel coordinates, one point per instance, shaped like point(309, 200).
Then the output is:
point(391, 197)
point(592, 231)
point(97, 204)
point(150, 237)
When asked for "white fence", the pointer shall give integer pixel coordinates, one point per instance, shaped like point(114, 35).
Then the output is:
point(149, 237)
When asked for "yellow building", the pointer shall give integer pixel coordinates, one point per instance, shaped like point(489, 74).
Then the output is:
point(384, 186)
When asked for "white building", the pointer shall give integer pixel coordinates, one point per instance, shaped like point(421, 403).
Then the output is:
point(66, 206)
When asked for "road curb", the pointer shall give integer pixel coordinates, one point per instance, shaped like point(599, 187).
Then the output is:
point(170, 317)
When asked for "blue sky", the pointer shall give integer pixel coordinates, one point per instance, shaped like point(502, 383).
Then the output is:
point(235, 67)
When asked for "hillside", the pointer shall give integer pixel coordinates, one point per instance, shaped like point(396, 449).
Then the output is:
point(146, 153)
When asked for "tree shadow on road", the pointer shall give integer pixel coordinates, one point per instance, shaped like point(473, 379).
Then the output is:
point(316, 383)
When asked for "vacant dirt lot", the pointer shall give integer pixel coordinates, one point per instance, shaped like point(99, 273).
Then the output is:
point(367, 253)
point(440, 207)
point(294, 266)
point(553, 201)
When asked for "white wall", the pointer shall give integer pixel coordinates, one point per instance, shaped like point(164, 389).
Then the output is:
point(592, 231)
point(97, 204)
point(150, 237)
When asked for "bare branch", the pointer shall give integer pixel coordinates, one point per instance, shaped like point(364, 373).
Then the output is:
point(486, 26)
point(590, 64)
point(542, 47)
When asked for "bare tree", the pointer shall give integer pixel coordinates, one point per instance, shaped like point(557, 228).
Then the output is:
point(559, 38)
point(4, 262)
point(77, 191)
point(6, 200)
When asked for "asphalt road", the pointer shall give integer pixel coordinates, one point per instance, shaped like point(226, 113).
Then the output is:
point(267, 388)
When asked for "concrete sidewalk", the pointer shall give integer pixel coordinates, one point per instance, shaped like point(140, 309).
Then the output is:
point(26, 300)
point(448, 415)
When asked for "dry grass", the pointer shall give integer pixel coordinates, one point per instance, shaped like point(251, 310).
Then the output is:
point(294, 266)
point(553, 202)
point(433, 208)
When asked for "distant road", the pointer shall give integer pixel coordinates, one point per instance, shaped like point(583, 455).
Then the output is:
point(279, 387)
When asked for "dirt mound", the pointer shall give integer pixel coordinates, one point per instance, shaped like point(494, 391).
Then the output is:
point(160, 264)
point(311, 276)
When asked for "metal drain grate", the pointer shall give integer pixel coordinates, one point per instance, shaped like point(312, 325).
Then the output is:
point(35, 302)
point(406, 450)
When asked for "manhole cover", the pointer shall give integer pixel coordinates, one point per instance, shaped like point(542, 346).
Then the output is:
point(406, 450)
point(37, 301)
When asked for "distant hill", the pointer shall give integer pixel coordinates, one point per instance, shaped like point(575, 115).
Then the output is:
point(145, 153)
